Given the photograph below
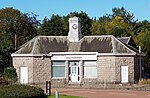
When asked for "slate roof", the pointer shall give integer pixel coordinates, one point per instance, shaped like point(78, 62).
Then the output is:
point(100, 44)
point(128, 40)
point(124, 39)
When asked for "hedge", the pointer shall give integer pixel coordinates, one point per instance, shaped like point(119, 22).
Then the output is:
point(20, 91)
point(10, 74)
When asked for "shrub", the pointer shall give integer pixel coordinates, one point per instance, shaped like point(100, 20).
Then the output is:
point(10, 74)
point(144, 81)
point(20, 91)
point(3, 81)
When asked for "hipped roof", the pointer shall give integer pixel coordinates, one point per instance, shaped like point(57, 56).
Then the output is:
point(100, 44)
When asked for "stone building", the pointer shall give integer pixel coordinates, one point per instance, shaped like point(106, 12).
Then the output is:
point(78, 60)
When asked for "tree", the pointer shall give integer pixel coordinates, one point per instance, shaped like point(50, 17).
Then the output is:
point(52, 26)
point(141, 32)
point(13, 22)
point(99, 27)
point(126, 15)
point(118, 27)
point(59, 26)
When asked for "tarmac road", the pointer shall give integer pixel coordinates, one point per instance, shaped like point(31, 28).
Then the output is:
point(99, 93)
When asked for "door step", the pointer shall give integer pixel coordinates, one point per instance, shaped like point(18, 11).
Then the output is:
point(74, 84)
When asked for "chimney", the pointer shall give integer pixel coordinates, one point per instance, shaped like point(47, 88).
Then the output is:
point(74, 34)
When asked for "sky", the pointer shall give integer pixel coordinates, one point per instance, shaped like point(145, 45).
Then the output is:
point(94, 8)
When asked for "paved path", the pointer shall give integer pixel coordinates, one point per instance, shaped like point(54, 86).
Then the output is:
point(98, 93)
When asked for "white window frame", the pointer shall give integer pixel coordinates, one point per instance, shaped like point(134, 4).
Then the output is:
point(93, 66)
point(53, 77)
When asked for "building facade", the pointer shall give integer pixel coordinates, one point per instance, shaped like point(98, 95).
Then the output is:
point(78, 60)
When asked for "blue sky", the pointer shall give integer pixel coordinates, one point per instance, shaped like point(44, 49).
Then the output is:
point(94, 8)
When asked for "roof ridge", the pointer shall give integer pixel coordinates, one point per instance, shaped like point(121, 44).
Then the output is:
point(35, 42)
point(99, 36)
point(52, 36)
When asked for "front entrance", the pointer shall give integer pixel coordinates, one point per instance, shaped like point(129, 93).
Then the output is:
point(74, 71)
point(124, 74)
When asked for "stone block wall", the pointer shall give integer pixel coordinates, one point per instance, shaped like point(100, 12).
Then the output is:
point(109, 68)
point(41, 70)
point(106, 69)
point(124, 60)
point(24, 61)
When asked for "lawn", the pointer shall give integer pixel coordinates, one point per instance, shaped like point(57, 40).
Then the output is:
point(63, 96)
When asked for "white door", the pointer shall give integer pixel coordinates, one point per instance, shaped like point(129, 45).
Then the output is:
point(124, 74)
point(74, 73)
point(23, 74)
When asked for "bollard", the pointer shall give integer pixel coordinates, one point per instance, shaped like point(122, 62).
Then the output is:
point(56, 94)
point(48, 87)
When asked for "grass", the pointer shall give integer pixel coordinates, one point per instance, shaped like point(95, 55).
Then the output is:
point(63, 96)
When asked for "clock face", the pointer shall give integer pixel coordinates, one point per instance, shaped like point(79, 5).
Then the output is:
point(74, 26)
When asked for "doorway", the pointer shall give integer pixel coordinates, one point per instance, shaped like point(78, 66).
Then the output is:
point(124, 74)
point(74, 71)
point(23, 74)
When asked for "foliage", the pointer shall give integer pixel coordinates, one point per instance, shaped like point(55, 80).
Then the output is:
point(141, 33)
point(10, 74)
point(126, 15)
point(3, 81)
point(58, 26)
point(13, 22)
point(20, 91)
point(144, 81)
point(52, 26)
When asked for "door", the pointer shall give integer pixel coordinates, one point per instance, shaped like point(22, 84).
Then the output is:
point(74, 71)
point(124, 74)
point(23, 74)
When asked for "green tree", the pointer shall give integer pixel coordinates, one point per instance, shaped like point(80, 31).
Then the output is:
point(58, 26)
point(52, 26)
point(141, 33)
point(13, 22)
point(118, 27)
point(127, 16)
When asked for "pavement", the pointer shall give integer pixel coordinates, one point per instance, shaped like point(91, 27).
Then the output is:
point(101, 93)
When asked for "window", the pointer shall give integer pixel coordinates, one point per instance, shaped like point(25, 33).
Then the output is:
point(90, 69)
point(58, 69)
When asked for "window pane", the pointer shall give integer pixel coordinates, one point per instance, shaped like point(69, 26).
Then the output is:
point(90, 69)
point(58, 71)
point(58, 63)
point(89, 63)
point(90, 72)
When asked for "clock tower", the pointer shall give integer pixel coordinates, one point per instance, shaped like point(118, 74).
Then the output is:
point(74, 34)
